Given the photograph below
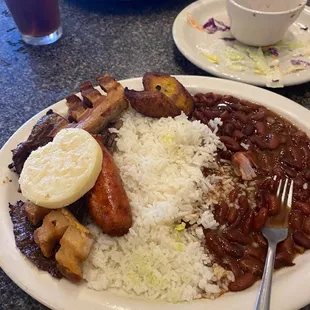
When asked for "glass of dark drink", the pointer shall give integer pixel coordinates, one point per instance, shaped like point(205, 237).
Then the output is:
point(37, 20)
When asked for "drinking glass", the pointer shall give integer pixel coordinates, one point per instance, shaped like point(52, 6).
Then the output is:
point(37, 20)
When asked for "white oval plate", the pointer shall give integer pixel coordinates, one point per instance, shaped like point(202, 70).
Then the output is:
point(191, 42)
point(290, 287)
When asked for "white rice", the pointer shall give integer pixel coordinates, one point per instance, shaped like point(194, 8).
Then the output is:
point(161, 163)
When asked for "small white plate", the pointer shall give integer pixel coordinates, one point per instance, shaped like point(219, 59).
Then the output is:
point(192, 42)
point(290, 285)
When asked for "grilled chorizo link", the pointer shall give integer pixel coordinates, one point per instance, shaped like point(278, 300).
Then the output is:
point(107, 201)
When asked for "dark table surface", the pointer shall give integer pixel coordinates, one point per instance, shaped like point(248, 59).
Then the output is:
point(124, 38)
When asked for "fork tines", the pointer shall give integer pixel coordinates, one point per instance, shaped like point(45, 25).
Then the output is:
point(287, 193)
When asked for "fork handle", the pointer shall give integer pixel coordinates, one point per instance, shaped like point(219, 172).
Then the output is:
point(263, 298)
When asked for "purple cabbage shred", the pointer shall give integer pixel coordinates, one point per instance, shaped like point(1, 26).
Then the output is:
point(272, 51)
point(299, 62)
point(214, 25)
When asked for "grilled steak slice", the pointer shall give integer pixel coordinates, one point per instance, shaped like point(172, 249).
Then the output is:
point(23, 232)
point(42, 133)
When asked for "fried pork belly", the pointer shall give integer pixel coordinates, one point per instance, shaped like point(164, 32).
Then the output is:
point(35, 213)
point(106, 108)
point(42, 133)
point(23, 233)
point(60, 226)
point(26, 216)
point(91, 96)
point(75, 246)
point(76, 108)
point(92, 115)
point(53, 228)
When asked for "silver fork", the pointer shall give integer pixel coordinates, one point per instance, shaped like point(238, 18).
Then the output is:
point(274, 235)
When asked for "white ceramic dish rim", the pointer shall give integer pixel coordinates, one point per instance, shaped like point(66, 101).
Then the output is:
point(287, 295)
point(180, 42)
point(303, 3)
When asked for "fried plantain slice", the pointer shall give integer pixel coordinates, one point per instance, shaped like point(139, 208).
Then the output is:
point(170, 87)
point(151, 103)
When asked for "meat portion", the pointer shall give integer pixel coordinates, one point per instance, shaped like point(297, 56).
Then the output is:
point(243, 163)
point(60, 226)
point(23, 233)
point(103, 109)
point(35, 213)
point(75, 246)
point(106, 108)
point(42, 133)
point(109, 137)
point(48, 235)
point(91, 96)
point(107, 201)
point(76, 108)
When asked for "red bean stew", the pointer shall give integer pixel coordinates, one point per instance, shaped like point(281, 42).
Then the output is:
point(260, 145)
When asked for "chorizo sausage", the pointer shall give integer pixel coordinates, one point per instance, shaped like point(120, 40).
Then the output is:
point(108, 203)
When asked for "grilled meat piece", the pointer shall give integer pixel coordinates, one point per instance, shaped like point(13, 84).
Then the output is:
point(93, 120)
point(91, 96)
point(54, 225)
point(35, 213)
point(53, 228)
point(75, 242)
point(106, 108)
point(109, 137)
point(23, 233)
point(42, 133)
point(75, 246)
point(76, 108)
point(107, 201)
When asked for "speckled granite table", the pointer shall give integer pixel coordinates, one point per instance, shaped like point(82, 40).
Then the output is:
point(125, 39)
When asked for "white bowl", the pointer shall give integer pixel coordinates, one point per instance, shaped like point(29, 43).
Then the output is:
point(262, 22)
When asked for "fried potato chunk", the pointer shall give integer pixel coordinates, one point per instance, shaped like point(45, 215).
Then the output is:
point(151, 103)
point(171, 88)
